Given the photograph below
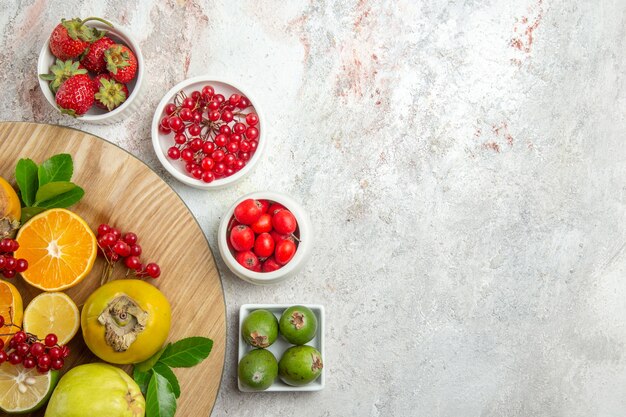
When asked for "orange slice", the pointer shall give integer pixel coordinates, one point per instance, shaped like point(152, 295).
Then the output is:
point(11, 309)
point(60, 249)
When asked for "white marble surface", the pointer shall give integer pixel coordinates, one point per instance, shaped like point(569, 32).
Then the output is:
point(465, 168)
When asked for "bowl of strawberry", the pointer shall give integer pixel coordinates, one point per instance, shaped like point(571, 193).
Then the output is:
point(208, 133)
point(265, 237)
point(92, 70)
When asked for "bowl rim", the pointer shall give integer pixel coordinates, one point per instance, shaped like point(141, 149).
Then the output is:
point(302, 252)
point(118, 31)
point(182, 176)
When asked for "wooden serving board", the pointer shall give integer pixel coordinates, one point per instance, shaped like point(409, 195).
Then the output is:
point(122, 191)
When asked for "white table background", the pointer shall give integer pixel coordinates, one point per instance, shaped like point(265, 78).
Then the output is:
point(465, 168)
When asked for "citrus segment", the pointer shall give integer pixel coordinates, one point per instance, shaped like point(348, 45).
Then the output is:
point(11, 309)
point(52, 312)
point(60, 249)
point(23, 390)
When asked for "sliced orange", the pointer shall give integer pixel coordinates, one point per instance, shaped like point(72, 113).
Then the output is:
point(10, 209)
point(11, 309)
point(52, 312)
point(60, 249)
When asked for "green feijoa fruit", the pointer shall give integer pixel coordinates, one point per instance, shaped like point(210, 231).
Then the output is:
point(260, 329)
point(258, 369)
point(300, 365)
point(298, 325)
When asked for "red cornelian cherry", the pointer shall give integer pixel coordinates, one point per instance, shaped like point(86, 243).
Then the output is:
point(207, 163)
point(252, 132)
point(170, 109)
point(51, 340)
point(180, 139)
point(208, 91)
point(225, 129)
point(188, 103)
point(153, 270)
point(252, 119)
point(208, 177)
point(186, 154)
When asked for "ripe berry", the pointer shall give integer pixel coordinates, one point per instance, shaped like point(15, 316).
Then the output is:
point(130, 238)
point(263, 224)
point(270, 265)
point(264, 245)
point(9, 273)
point(3, 356)
point(19, 337)
point(29, 362)
point(248, 211)
point(252, 133)
point(103, 229)
point(207, 92)
point(14, 358)
point(176, 123)
point(284, 222)
point(180, 139)
point(275, 208)
point(247, 259)
point(22, 349)
point(170, 108)
point(57, 364)
point(242, 238)
point(252, 119)
point(135, 250)
point(132, 262)
point(122, 248)
point(188, 103)
point(5, 245)
point(43, 361)
point(244, 146)
point(51, 340)
point(220, 140)
point(1, 321)
point(284, 251)
point(153, 270)
point(21, 265)
point(208, 177)
point(173, 153)
point(207, 163)
point(37, 349)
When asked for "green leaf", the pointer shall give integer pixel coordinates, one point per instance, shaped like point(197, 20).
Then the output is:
point(28, 212)
point(167, 372)
point(160, 398)
point(51, 190)
point(142, 379)
point(146, 365)
point(64, 200)
point(187, 352)
point(26, 177)
point(58, 168)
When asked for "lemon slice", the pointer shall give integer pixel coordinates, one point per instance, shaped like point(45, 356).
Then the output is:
point(24, 390)
point(52, 312)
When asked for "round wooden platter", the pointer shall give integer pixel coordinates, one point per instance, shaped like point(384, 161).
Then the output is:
point(122, 191)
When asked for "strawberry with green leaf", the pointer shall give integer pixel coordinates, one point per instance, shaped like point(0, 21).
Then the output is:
point(61, 71)
point(109, 93)
point(70, 38)
point(76, 95)
point(121, 63)
point(93, 59)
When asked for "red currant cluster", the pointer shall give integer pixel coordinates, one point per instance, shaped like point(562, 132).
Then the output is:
point(212, 134)
point(24, 348)
point(9, 266)
point(114, 247)
point(262, 235)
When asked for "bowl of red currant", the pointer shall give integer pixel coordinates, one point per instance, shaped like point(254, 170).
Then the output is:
point(265, 237)
point(207, 132)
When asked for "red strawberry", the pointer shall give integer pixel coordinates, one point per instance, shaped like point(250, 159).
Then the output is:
point(61, 71)
point(121, 63)
point(94, 58)
point(76, 95)
point(109, 93)
point(70, 38)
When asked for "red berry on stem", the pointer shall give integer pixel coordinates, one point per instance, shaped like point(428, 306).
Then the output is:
point(220, 140)
point(188, 103)
point(252, 119)
point(3, 356)
point(173, 153)
point(284, 222)
point(43, 361)
point(207, 163)
point(234, 99)
point(208, 177)
point(248, 211)
point(247, 259)
point(270, 265)
point(21, 265)
point(243, 103)
point(264, 245)
point(208, 147)
point(132, 262)
point(225, 129)
point(244, 146)
point(187, 155)
point(275, 208)
point(176, 123)
point(217, 155)
point(242, 238)
point(51, 340)
point(135, 250)
point(153, 270)
point(1, 322)
point(57, 364)
point(130, 238)
point(14, 358)
point(121, 248)
point(29, 362)
point(252, 133)
point(180, 139)
point(9, 273)
point(22, 349)
point(239, 128)
point(214, 115)
point(37, 349)
point(186, 114)
point(19, 337)
point(284, 251)
point(194, 130)
point(207, 92)
point(170, 108)
point(219, 98)
point(263, 224)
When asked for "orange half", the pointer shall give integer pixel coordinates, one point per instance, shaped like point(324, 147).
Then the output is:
point(60, 249)
point(11, 309)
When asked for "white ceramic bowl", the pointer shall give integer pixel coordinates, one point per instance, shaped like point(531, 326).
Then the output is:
point(303, 252)
point(281, 345)
point(163, 142)
point(97, 115)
